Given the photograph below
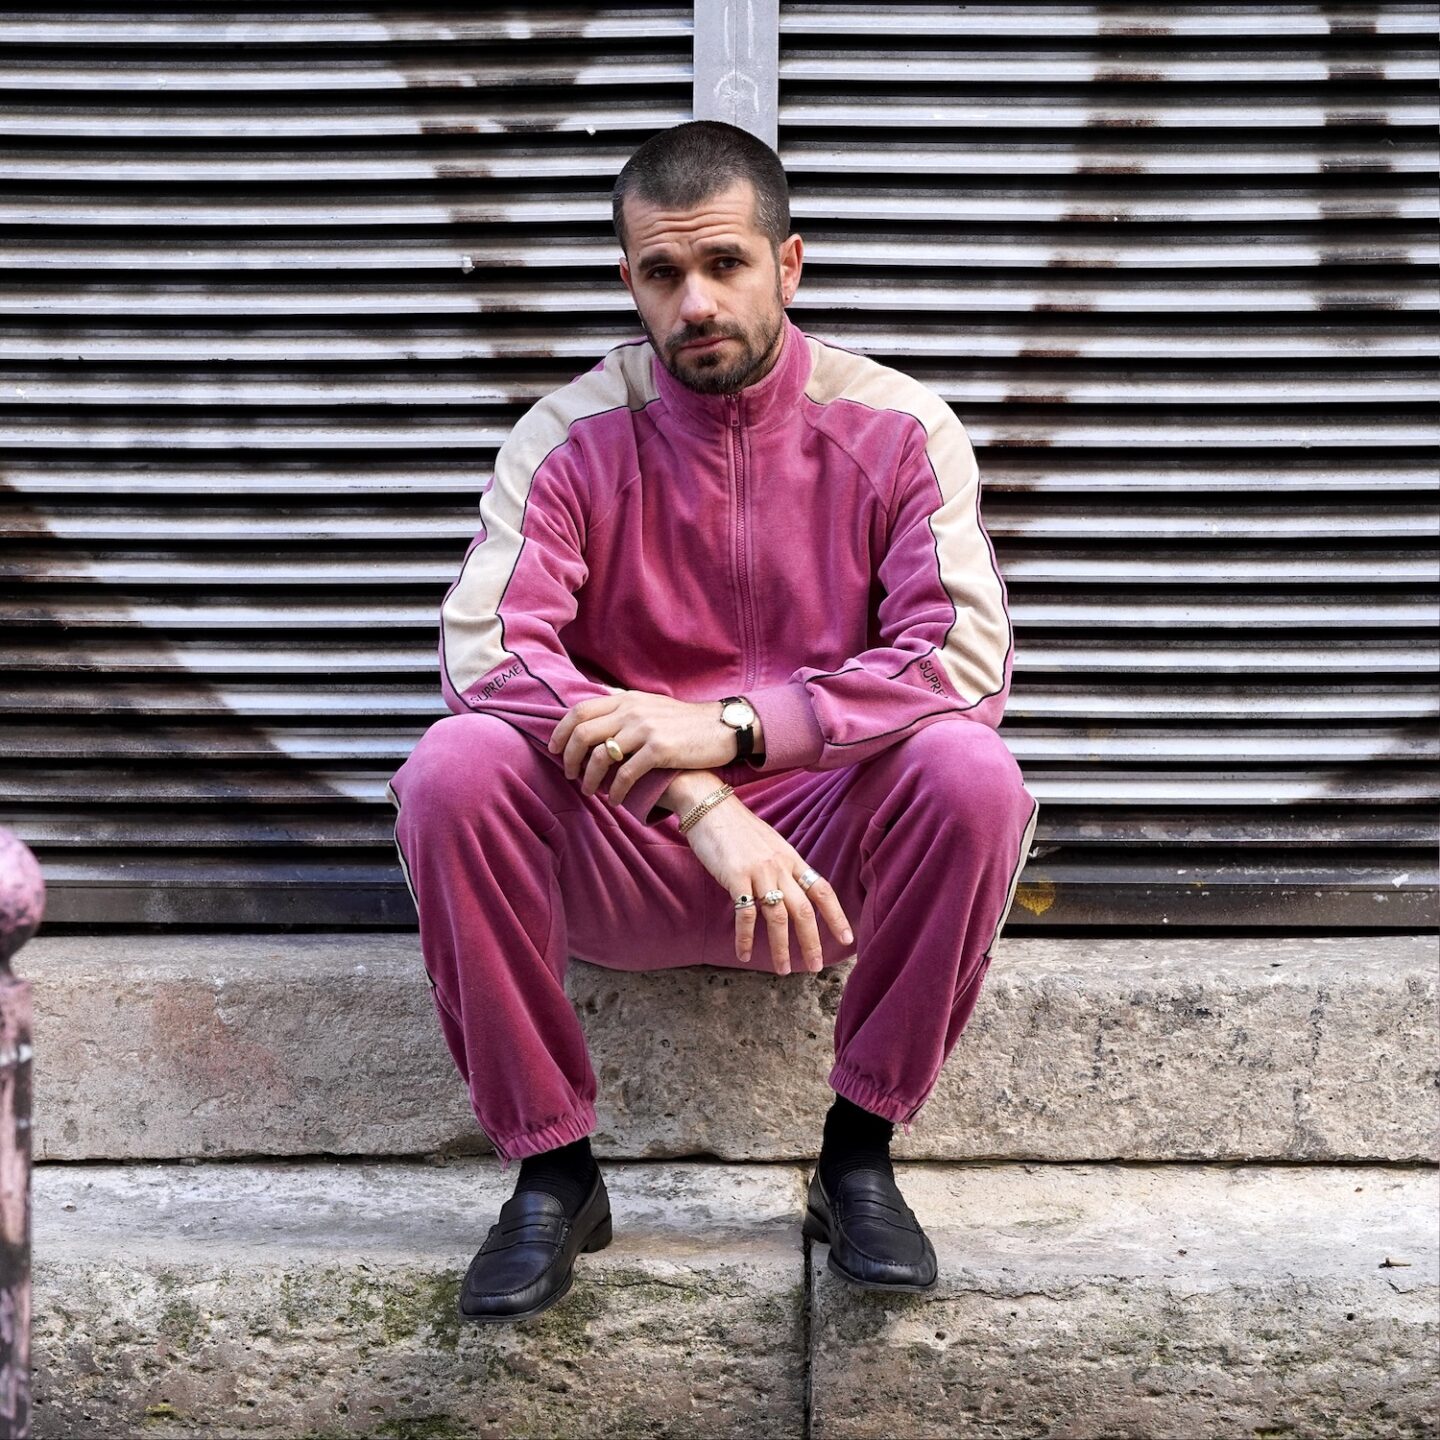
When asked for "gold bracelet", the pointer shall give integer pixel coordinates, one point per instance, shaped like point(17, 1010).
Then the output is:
point(708, 803)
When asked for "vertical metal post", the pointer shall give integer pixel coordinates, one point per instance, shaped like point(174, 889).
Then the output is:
point(737, 64)
point(22, 902)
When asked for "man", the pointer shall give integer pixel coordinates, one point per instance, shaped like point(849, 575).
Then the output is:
point(732, 629)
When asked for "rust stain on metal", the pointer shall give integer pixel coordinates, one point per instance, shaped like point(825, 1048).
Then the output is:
point(1036, 896)
point(1116, 28)
point(1021, 440)
point(1047, 352)
point(1371, 257)
point(1358, 302)
point(1127, 75)
point(1035, 397)
point(1343, 70)
point(1095, 167)
point(1354, 165)
point(1109, 120)
point(1338, 118)
point(1093, 217)
point(1349, 24)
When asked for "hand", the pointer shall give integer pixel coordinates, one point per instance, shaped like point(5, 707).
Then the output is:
point(749, 857)
point(656, 732)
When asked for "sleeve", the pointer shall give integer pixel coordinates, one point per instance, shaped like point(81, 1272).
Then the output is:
point(500, 621)
point(943, 619)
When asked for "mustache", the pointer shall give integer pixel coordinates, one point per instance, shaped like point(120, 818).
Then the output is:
point(704, 332)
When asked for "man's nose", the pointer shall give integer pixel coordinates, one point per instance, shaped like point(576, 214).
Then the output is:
point(697, 304)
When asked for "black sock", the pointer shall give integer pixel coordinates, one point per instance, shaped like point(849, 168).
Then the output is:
point(567, 1172)
point(853, 1137)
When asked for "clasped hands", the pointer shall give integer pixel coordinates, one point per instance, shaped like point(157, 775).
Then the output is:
point(742, 852)
point(654, 731)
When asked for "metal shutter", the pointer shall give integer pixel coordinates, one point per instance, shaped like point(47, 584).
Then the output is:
point(1173, 267)
point(278, 283)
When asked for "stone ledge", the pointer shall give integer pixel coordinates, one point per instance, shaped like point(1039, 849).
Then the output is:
point(1173, 1301)
point(316, 1300)
point(1316, 1048)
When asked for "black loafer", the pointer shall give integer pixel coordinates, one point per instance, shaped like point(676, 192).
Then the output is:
point(527, 1261)
point(874, 1238)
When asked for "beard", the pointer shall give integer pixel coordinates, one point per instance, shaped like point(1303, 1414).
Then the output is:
point(708, 372)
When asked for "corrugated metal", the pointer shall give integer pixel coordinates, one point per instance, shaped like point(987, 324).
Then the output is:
point(1173, 266)
point(277, 284)
point(230, 507)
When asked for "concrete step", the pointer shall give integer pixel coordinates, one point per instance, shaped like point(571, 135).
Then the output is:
point(1315, 1048)
point(288, 1299)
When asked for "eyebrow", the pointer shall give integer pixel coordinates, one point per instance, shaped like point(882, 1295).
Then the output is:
point(707, 250)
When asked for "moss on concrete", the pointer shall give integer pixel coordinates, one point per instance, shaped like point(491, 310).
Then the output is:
point(424, 1427)
point(181, 1322)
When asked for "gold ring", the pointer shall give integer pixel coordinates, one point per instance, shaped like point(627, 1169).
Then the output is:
point(612, 748)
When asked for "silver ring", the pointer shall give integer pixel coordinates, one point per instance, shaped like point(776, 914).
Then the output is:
point(807, 878)
point(613, 750)
point(744, 902)
point(772, 897)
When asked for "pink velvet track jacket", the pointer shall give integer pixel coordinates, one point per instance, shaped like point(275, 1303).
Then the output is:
point(813, 543)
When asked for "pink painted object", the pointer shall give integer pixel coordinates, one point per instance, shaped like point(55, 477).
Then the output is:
point(22, 903)
point(22, 894)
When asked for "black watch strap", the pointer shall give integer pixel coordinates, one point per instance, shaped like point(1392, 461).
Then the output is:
point(745, 735)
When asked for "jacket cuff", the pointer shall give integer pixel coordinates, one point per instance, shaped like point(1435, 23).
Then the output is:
point(642, 795)
point(789, 730)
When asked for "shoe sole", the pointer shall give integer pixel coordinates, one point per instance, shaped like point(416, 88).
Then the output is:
point(815, 1228)
point(598, 1239)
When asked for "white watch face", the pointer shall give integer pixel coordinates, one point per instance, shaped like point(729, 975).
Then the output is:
point(738, 714)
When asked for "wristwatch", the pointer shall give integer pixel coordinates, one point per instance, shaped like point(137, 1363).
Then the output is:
point(736, 712)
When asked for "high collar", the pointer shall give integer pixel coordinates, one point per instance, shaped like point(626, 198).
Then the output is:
point(767, 402)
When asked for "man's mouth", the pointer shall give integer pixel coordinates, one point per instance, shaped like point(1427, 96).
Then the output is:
point(708, 342)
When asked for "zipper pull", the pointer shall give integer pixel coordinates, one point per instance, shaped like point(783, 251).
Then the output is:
point(734, 407)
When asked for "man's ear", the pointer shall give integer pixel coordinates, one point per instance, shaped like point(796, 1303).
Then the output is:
point(791, 259)
point(625, 275)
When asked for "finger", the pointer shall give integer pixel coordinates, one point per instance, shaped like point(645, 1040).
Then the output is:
point(590, 728)
point(744, 931)
point(822, 896)
point(575, 715)
point(581, 744)
point(777, 921)
point(595, 767)
point(807, 931)
point(561, 733)
point(628, 774)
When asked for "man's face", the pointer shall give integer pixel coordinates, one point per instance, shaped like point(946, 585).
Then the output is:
point(710, 290)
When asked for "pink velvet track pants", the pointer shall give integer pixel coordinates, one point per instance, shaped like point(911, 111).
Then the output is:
point(513, 870)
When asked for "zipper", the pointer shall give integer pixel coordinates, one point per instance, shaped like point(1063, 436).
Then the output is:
point(750, 628)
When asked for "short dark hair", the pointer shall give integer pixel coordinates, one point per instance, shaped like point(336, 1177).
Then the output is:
point(689, 163)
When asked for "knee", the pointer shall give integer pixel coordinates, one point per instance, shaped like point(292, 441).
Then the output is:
point(459, 761)
point(966, 772)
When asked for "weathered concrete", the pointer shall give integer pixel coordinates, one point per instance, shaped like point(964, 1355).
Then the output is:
point(288, 1300)
point(1312, 1048)
point(316, 1300)
point(1173, 1302)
